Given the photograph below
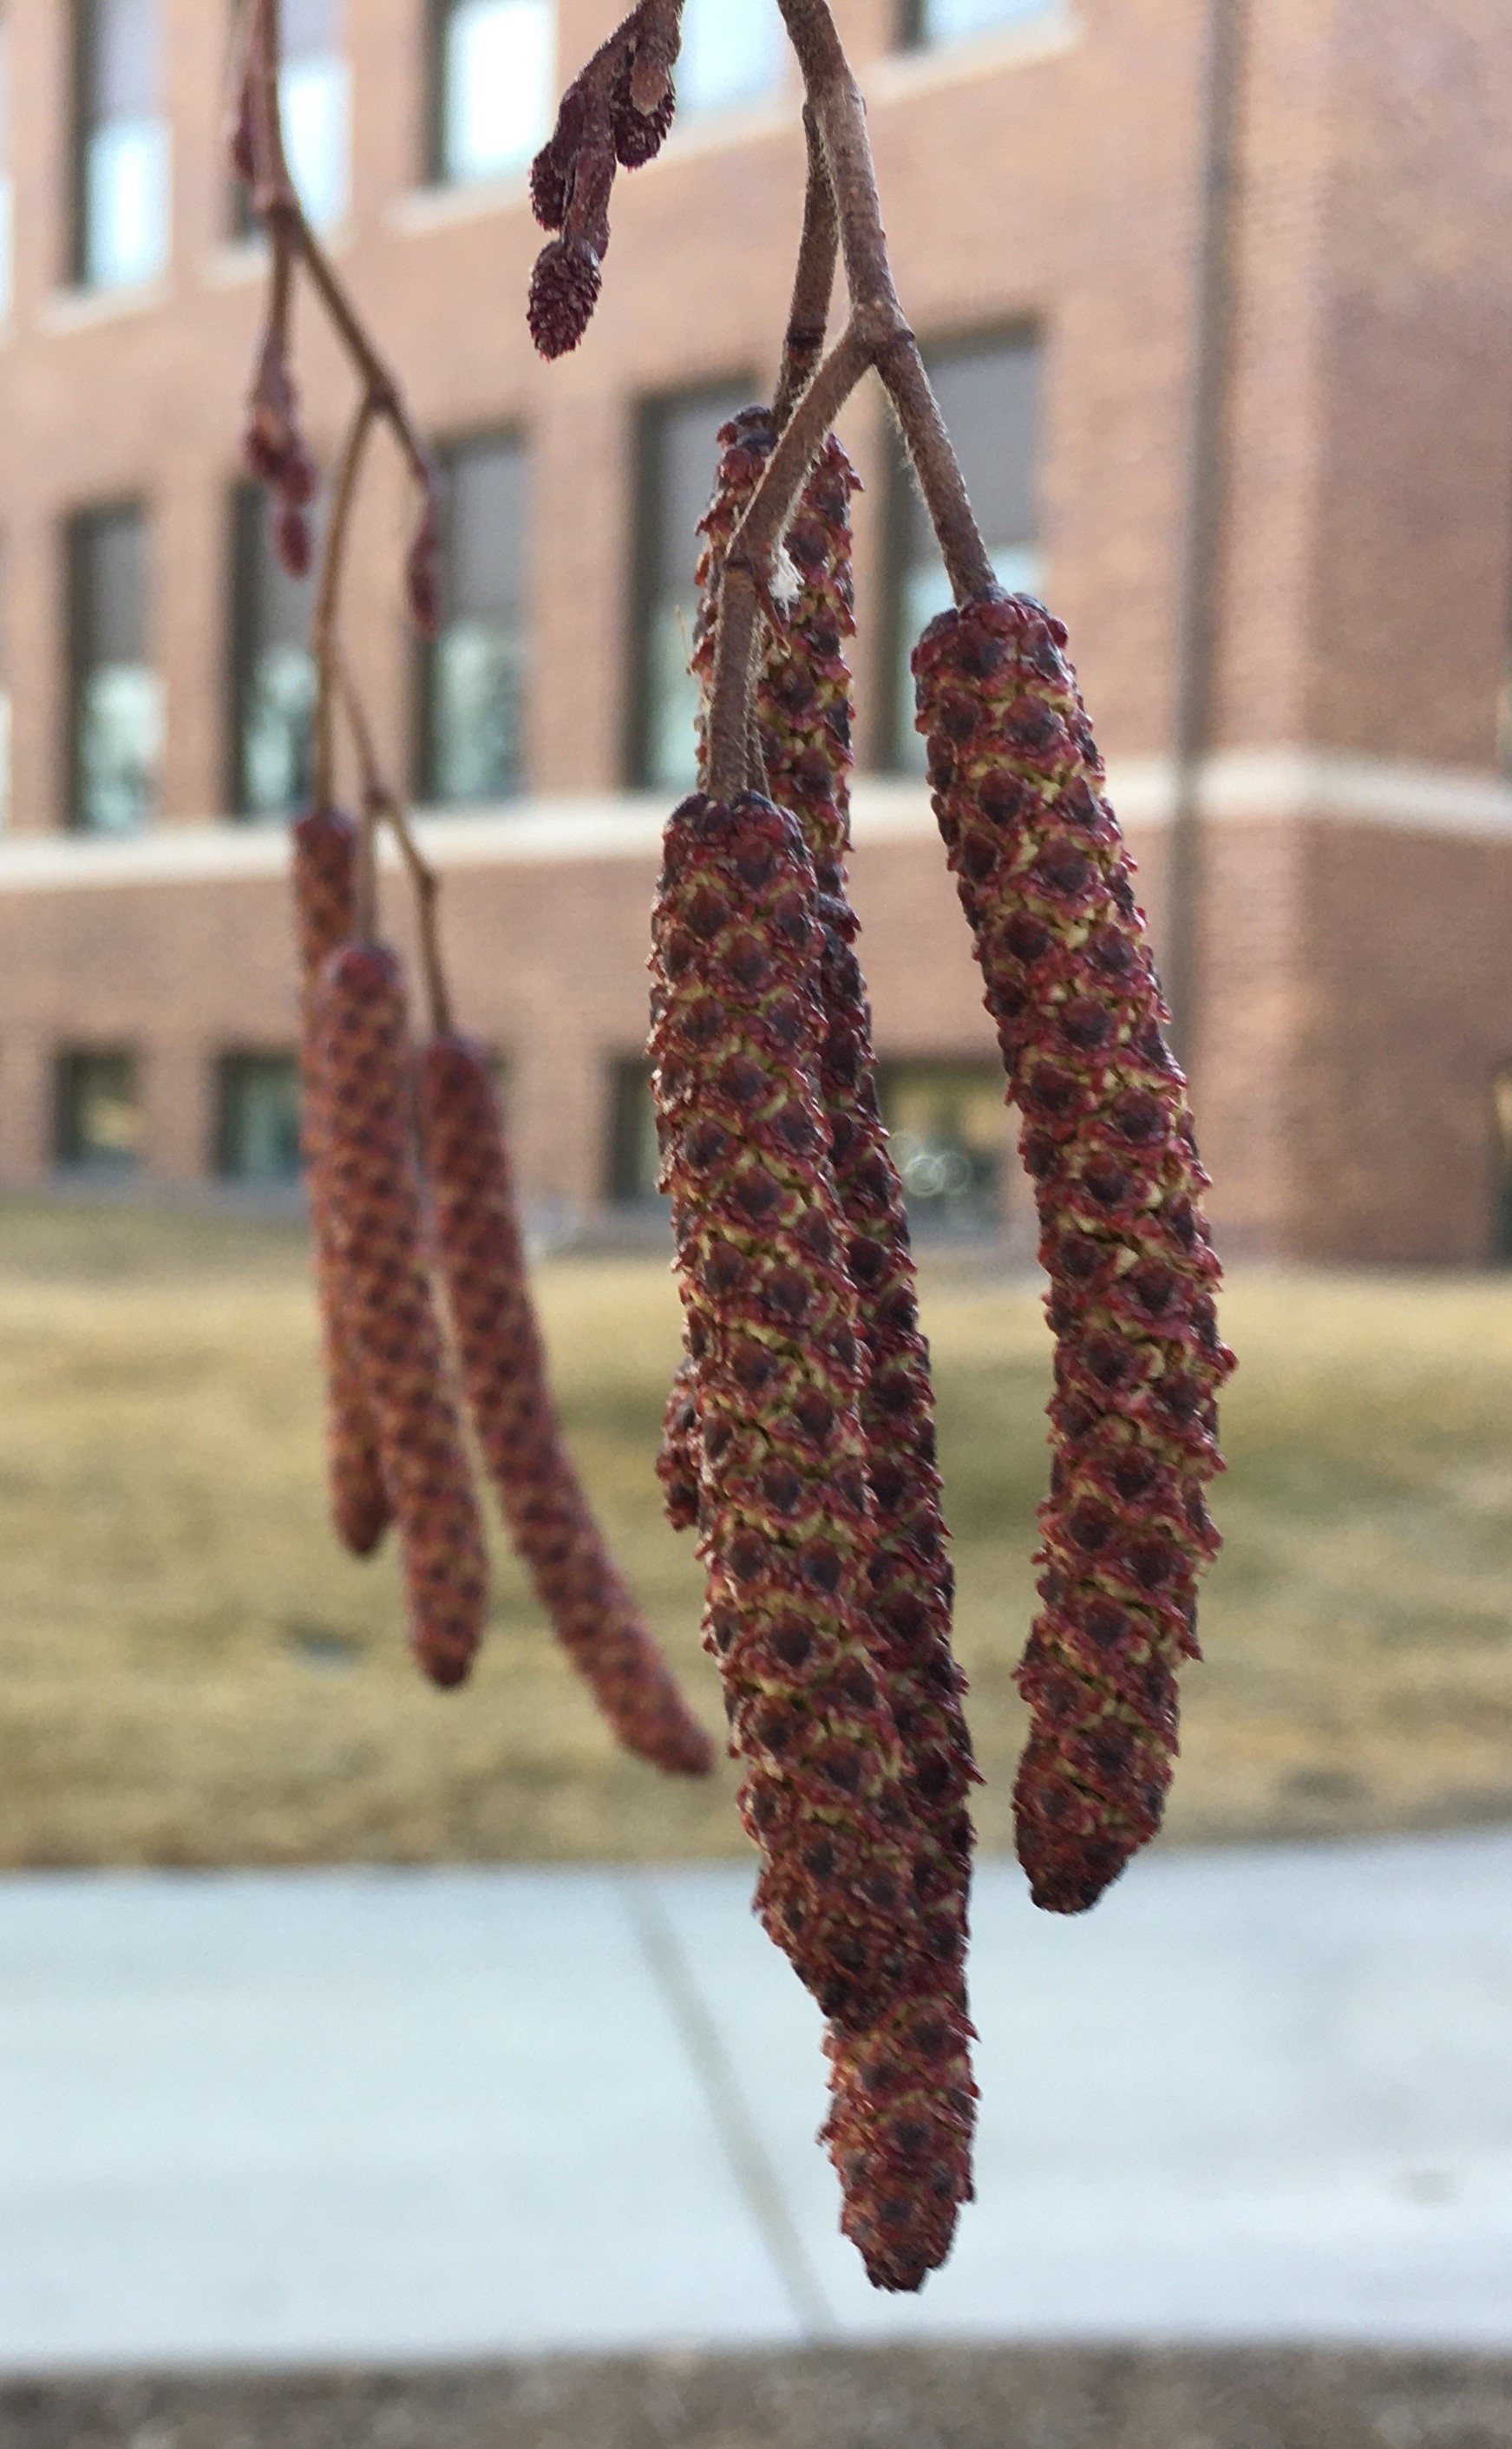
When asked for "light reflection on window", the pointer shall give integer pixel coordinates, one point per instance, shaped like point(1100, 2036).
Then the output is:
point(123, 215)
point(731, 54)
point(496, 98)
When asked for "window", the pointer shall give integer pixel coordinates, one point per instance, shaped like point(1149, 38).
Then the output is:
point(474, 693)
point(117, 709)
point(122, 210)
point(493, 80)
point(949, 1134)
point(1501, 1120)
point(258, 1119)
point(950, 21)
point(274, 670)
point(989, 397)
point(730, 54)
point(7, 178)
point(679, 454)
point(634, 1160)
point(99, 1112)
point(315, 104)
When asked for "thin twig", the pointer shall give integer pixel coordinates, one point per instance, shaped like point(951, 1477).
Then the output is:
point(276, 202)
point(813, 282)
point(878, 335)
point(382, 805)
point(323, 634)
point(747, 580)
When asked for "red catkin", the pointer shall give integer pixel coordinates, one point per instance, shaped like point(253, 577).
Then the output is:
point(785, 1517)
point(904, 2112)
point(324, 908)
point(385, 1299)
point(1107, 1138)
point(677, 1464)
point(482, 1260)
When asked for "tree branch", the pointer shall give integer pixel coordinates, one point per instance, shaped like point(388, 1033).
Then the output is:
point(814, 280)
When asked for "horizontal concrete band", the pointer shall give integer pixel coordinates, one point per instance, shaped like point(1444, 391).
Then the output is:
point(1276, 785)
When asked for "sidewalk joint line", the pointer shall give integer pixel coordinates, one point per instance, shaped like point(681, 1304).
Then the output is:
point(737, 2131)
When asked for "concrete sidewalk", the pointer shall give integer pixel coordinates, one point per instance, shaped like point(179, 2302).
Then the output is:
point(347, 2116)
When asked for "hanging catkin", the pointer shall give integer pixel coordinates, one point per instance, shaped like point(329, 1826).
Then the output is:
point(904, 2111)
point(324, 907)
point(1107, 1138)
point(385, 1299)
point(785, 1518)
point(677, 1464)
point(503, 1360)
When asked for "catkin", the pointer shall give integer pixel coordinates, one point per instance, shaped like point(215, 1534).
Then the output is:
point(785, 1517)
point(677, 1464)
point(1107, 1138)
point(900, 2126)
point(385, 1299)
point(324, 906)
point(482, 1260)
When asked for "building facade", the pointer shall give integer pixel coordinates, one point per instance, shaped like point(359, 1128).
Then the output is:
point(1218, 299)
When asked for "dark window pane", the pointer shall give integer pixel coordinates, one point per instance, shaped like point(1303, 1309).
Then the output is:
point(310, 26)
point(112, 611)
point(679, 452)
point(275, 673)
point(496, 73)
point(989, 395)
point(121, 171)
point(476, 666)
point(120, 59)
point(949, 1134)
point(484, 491)
point(99, 1112)
point(258, 1137)
point(730, 55)
point(989, 399)
point(634, 1159)
point(117, 712)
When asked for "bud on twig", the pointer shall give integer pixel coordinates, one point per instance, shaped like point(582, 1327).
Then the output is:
point(1107, 1139)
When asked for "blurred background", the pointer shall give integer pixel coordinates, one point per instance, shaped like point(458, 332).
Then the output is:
point(1217, 298)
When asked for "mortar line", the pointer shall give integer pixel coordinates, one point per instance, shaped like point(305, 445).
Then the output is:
point(737, 2131)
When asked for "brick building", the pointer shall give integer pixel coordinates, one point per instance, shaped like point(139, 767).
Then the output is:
point(1218, 294)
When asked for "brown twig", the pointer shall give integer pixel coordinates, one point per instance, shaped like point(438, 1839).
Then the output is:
point(381, 804)
point(324, 633)
point(878, 335)
point(813, 282)
point(276, 202)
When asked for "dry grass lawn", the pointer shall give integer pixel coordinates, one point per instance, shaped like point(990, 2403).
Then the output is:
point(193, 1673)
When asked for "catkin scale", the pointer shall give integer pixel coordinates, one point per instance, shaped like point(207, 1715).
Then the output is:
point(482, 1260)
point(1107, 1140)
point(362, 1063)
point(903, 2115)
point(785, 1517)
point(325, 905)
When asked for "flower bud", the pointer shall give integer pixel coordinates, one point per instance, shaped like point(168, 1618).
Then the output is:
point(564, 292)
